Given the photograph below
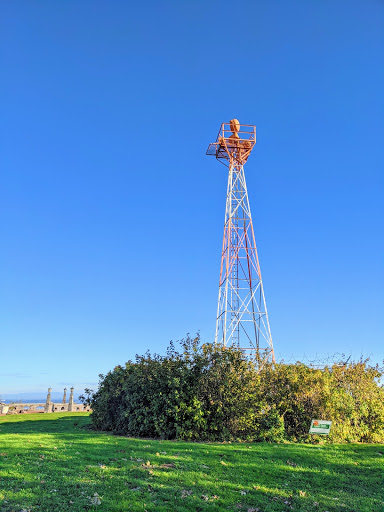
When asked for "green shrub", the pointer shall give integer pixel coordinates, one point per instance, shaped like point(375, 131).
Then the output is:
point(271, 427)
point(213, 393)
point(350, 395)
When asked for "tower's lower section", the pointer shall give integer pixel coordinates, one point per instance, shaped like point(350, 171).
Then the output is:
point(242, 318)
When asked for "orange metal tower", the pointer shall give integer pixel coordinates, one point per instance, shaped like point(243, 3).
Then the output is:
point(242, 318)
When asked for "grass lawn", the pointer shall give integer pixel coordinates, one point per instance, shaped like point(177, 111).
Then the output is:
point(50, 462)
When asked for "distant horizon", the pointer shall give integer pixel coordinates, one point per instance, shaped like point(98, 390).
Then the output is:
point(34, 401)
point(38, 395)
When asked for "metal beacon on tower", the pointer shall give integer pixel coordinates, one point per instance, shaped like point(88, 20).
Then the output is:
point(242, 318)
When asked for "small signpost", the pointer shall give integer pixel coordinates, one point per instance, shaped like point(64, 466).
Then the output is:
point(320, 427)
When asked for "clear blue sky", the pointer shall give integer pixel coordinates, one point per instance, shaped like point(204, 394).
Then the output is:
point(111, 215)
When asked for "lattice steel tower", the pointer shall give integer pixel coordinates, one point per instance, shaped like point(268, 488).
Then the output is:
point(242, 318)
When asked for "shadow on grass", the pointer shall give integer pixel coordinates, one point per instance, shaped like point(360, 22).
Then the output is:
point(20, 424)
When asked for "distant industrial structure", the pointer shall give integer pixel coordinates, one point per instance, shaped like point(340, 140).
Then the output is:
point(47, 407)
point(242, 318)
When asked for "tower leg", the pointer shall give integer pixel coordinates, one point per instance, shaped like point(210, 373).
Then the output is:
point(242, 317)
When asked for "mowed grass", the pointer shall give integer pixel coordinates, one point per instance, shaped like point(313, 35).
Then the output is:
point(54, 463)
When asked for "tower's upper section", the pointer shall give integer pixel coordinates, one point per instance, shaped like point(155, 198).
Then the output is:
point(234, 142)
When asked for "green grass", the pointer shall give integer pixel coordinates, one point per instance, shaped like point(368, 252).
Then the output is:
point(52, 463)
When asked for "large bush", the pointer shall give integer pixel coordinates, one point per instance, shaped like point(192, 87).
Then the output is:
point(205, 392)
point(349, 394)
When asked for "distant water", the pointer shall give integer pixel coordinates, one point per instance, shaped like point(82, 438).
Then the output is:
point(35, 401)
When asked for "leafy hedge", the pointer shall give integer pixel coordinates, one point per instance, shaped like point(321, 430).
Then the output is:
point(205, 392)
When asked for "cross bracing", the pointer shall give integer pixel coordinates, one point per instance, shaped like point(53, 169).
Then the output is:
point(242, 317)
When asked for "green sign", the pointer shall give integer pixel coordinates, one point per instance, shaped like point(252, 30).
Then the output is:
point(320, 427)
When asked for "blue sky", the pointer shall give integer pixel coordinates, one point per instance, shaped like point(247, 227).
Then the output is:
point(111, 215)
